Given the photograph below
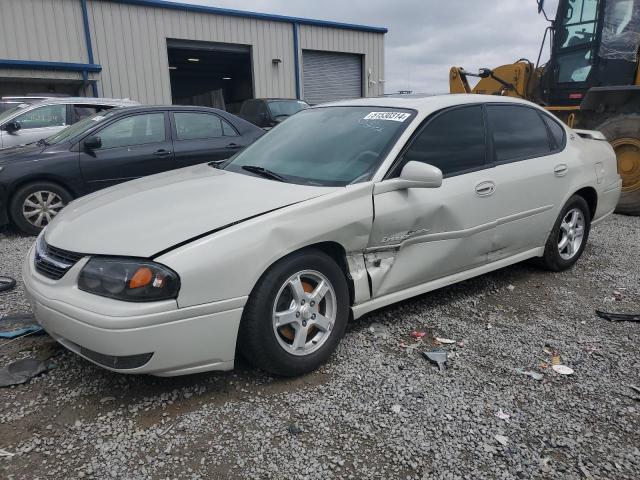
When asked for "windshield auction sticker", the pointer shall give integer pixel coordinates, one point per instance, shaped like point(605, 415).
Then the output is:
point(393, 116)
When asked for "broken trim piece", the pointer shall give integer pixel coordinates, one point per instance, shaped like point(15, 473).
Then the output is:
point(619, 317)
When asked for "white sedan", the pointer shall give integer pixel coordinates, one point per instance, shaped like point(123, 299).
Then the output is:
point(342, 209)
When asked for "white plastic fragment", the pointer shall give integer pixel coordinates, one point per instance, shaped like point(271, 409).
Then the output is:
point(503, 416)
point(445, 341)
point(563, 369)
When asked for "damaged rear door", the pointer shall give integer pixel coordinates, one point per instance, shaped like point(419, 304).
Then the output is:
point(421, 234)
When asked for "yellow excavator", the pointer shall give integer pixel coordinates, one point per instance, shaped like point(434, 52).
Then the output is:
point(591, 81)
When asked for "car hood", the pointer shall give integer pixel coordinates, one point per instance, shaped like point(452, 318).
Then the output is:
point(149, 215)
point(20, 152)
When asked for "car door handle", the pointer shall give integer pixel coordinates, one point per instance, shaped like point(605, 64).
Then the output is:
point(162, 152)
point(484, 189)
point(560, 170)
point(233, 146)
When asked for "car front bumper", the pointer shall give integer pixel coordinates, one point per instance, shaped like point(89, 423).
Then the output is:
point(161, 340)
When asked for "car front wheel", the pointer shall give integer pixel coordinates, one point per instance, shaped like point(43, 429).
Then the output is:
point(34, 205)
point(569, 235)
point(296, 314)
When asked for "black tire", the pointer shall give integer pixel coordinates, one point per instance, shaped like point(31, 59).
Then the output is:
point(19, 197)
point(257, 340)
point(626, 126)
point(552, 260)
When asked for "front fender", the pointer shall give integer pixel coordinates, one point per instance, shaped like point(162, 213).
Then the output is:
point(227, 264)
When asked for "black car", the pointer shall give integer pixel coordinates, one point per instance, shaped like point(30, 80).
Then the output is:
point(38, 179)
point(268, 112)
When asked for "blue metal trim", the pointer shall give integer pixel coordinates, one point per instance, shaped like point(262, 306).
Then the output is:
point(87, 31)
point(38, 65)
point(87, 39)
point(296, 59)
point(259, 16)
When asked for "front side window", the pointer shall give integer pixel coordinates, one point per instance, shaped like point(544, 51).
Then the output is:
point(135, 130)
point(454, 141)
point(518, 132)
point(42, 117)
point(574, 66)
point(579, 23)
point(193, 125)
point(328, 146)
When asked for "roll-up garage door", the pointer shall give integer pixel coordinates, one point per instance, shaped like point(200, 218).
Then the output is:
point(330, 76)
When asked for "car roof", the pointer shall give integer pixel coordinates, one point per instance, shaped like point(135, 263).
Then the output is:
point(147, 108)
point(426, 104)
point(85, 100)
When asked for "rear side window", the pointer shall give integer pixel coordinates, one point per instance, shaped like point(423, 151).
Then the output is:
point(518, 132)
point(192, 126)
point(43, 117)
point(83, 111)
point(557, 132)
point(454, 141)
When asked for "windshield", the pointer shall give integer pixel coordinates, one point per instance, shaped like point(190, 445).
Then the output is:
point(328, 146)
point(286, 108)
point(73, 130)
point(8, 113)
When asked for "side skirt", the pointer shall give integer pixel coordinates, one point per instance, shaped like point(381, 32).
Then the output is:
point(374, 304)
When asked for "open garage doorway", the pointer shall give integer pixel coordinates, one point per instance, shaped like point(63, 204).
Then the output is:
point(210, 74)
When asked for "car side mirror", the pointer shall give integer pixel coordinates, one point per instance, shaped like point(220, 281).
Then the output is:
point(92, 143)
point(12, 127)
point(413, 175)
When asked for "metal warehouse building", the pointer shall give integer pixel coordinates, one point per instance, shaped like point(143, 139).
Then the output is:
point(161, 52)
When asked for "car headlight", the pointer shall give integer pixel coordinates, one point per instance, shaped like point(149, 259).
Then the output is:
point(130, 280)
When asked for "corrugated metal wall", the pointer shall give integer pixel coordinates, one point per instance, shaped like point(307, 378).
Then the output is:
point(129, 41)
point(130, 44)
point(42, 30)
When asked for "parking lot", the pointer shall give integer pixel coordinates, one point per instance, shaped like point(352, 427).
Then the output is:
point(378, 409)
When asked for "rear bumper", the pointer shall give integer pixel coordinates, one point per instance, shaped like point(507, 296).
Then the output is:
point(168, 343)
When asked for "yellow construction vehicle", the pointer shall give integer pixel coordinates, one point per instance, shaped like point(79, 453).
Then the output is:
point(591, 81)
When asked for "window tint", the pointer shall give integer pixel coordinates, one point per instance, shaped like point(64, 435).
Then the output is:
point(518, 132)
point(136, 130)
point(191, 126)
point(49, 116)
point(453, 141)
point(557, 132)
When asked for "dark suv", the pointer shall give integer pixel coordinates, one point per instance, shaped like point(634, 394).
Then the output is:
point(268, 112)
point(38, 179)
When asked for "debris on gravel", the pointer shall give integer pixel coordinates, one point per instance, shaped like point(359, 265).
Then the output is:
point(377, 409)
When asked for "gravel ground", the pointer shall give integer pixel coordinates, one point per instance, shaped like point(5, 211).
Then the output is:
point(376, 410)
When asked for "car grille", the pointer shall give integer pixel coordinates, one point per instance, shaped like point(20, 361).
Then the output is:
point(54, 262)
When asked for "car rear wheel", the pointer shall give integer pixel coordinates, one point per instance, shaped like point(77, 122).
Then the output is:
point(569, 235)
point(296, 314)
point(34, 205)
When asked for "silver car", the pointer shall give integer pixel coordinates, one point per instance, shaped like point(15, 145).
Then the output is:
point(28, 122)
point(342, 209)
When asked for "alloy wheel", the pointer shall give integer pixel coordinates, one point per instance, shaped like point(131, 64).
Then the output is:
point(571, 234)
point(40, 207)
point(304, 312)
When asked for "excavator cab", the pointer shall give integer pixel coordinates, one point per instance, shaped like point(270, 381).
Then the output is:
point(595, 44)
